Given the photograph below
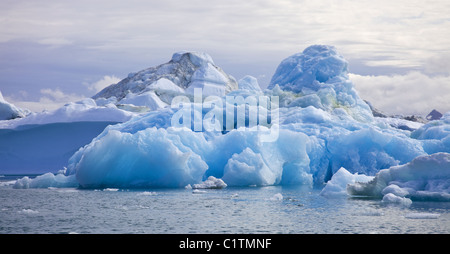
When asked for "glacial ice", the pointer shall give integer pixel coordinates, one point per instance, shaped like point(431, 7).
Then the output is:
point(337, 186)
point(47, 180)
point(85, 110)
point(249, 83)
point(10, 111)
point(43, 142)
point(426, 177)
point(326, 134)
point(185, 71)
point(435, 135)
point(210, 183)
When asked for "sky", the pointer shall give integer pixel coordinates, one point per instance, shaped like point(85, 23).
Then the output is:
point(54, 52)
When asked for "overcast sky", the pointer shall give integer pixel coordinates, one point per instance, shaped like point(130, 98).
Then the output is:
point(53, 52)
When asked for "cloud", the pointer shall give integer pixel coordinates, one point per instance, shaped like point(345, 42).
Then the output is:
point(54, 98)
point(63, 43)
point(361, 28)
point(102, 83)
point(55, 42)
point(50, 99)
point(412, 93)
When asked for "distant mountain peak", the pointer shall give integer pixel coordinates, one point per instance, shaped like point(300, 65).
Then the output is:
point(434, 115)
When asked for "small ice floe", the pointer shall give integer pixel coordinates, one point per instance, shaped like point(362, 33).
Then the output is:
point(28, 211)
point(110, 189)
point(276, 197)
point(210, 183)
point(392, 199)
point(147, 193)
point(197, 191)
point(422, 215)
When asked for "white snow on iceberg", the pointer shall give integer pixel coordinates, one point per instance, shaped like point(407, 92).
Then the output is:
point(184, 72)
point(9, 111)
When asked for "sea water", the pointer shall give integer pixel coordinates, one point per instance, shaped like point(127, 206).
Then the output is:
point(273, 209)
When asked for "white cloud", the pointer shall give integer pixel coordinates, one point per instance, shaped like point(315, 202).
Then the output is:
point(54, 98)
point(406, 30)
point(412, 93)
point(50, 99)
point(102, 83)
point(243, 37)
point(55, 42)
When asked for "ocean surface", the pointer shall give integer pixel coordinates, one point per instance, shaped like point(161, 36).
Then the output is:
point(274, 209)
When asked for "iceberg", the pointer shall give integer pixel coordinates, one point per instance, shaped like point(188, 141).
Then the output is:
point(426, 178)
point(47, 180)
point(337, 186)
point(85, 110)
point(210, 183)
point(310, 127)
point(9, 111)
point(435, 135)
point(43, 142)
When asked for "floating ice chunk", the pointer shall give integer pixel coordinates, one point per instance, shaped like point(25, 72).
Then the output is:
point(47, 180)
point(210, 183)
point(337, 186)
point(277, 197)
point(248, 168)
point(28, 211)
point(396, 190)
point(391, 198)
point(422, 215)
point(147, 193)
point(424, 178)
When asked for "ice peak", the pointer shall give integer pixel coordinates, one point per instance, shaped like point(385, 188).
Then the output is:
point(197, 58)
point(316, 64)
point(185, 71)
point(319, 78)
